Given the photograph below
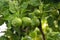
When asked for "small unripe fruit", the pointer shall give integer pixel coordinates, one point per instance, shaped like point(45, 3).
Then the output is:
point(35, 21)
point(26, 21)
point(16, 22)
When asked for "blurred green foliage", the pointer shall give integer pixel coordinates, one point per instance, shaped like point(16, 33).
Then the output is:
point(32, 13)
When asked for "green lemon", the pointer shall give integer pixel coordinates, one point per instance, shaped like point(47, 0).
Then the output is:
point(16, 22)
point(26, 21)
point(35, 21)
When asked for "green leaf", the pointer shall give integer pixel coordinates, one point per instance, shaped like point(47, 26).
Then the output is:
point(26, 38)
point(53, 36)
point(34, 2)
point(3, 38)
point(23, 7)
point(13, 6)
point(1, 20)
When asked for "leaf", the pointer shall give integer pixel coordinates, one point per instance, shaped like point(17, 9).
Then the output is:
point(58, 5)
point(13, 6)
point(23, 7)
point(34, 2)
point(26, 38)
point(53, 36)
point(3, 38)
point(50, 22)
point(3, 5)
